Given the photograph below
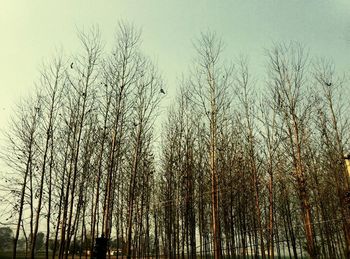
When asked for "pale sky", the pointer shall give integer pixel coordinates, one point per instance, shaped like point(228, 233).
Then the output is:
point(31, 32)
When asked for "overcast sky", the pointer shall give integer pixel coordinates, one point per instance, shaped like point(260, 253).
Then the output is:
point(31, 31)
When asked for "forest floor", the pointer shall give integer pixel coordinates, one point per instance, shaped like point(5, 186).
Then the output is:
point(8, 255)
point(22, 256)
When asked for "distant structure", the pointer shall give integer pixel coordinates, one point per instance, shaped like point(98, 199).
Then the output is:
point(100, 249)
point(347, 162)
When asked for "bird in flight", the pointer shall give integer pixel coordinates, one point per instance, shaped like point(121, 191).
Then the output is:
point(71, 65)
point(328, 84)
point(162, 91)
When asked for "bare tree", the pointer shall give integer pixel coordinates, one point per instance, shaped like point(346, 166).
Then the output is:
point(82, 81)
point(287, 68)
point(52, 81)
point(334, 130)
point(245, 96)
point(21, 153)
point(146, 100)
point(233, 178)
point(210, 84)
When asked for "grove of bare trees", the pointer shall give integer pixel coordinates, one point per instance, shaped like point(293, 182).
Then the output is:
point(245, 166)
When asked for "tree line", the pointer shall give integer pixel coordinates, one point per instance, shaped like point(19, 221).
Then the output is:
point(246, 166)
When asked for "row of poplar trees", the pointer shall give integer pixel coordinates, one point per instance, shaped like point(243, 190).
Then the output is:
point(244, 167)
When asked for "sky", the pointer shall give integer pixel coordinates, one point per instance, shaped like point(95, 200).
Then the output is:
point(31, 32)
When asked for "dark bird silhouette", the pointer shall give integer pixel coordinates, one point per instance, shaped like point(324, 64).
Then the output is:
point(328, 84)
point(71, 65)
point(162, 91)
